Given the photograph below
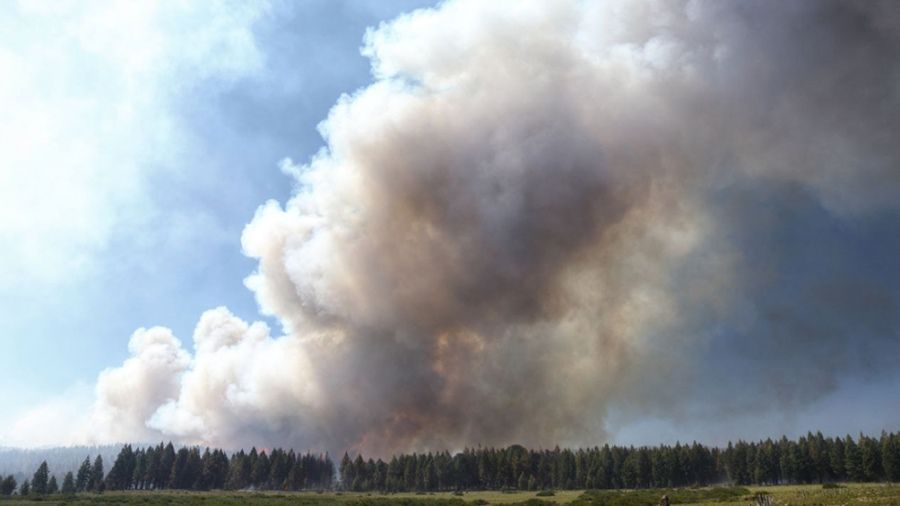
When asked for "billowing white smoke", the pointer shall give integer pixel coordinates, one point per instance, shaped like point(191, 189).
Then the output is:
point(128, 395)
point(484, 252)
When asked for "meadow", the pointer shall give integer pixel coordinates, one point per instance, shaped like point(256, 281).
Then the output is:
point(795, 495)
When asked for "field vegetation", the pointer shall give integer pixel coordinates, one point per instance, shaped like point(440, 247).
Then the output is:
point(794, 495)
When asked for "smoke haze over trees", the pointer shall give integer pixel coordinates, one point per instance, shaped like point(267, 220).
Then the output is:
point(17, 461)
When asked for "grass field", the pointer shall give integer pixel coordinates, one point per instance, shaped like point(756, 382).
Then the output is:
point(795, 495)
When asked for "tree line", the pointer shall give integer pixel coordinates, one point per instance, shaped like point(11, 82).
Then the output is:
point(163, 467)
point(809, 459)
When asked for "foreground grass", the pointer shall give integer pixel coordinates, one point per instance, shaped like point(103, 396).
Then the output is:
point(793, 495)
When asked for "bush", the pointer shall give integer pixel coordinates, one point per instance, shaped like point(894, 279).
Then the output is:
point(545, 493)
point(827, 486)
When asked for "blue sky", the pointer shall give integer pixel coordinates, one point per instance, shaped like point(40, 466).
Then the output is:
point(435, 210)
point(163, 246)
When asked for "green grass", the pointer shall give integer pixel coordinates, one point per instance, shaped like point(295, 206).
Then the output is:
point(651, 497)
point(793, 495)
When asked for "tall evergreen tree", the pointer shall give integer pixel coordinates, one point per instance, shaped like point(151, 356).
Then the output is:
point(95, 482)
point(890, 457)
point(122, 472)
point(260, 473)
point(870, 455)
point(68, 486)
point(836, 455)
point(83, 478)
point(40, 479)
point(179, 474)
point(166, 462)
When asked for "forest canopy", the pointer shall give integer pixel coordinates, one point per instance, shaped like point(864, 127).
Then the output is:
point(809, 459)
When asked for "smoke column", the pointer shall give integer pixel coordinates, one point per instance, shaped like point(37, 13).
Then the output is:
point(493, 245)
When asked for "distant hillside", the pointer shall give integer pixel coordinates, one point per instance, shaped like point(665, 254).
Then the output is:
point(22, 462)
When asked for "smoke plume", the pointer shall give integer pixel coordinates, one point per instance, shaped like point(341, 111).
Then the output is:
point(536, 209)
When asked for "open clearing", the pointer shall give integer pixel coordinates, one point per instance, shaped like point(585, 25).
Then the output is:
point(797, 495)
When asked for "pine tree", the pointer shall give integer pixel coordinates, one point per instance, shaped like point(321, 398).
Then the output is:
point(121, 473)
point(177, 472)
point(40, 479)
point(8, 485)
point(890, 457)
point(836, 455)
point(95, 482)
point(239, 471)
point(852, 460)
point(52, 486)
point(25, 489)
point(166, 461)
point(68, 486)
point(215, 470)
point(346, 470)
point(152, 465)
point(870, 455)
point(194, 469)
point(260, 474)
point(83, 478)
point(139, 475)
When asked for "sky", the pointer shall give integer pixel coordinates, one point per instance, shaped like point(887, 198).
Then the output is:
point(359, 225)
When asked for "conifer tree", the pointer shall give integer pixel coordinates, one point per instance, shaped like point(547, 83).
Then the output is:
point(166, 461)
point(852, 460)
point(68, 486)
point(8, 485)
point(39, 480)
point(260, 474)
point(238, 472)
point(836, 455)
point(193, 470)
point(95, 482)
point(52, 485)
point(870, 455)
point(890, 457)
point(121, 474)
point(139, 474)
point(346, 471)
point(83, 477)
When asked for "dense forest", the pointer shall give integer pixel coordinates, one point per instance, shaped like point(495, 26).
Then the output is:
point(163, 467)
point(809, 459)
